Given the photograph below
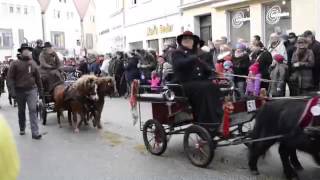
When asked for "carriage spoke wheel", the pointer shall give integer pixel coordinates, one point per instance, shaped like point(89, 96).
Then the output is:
point(154, 137)
point(198, 145)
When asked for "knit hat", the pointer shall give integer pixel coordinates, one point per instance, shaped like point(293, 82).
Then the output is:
point(227, 64)
point(279, 58)
point(254, 68)
point(241, 46)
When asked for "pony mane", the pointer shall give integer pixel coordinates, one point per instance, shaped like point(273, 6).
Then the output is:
point(104, 83)
point(81, 83)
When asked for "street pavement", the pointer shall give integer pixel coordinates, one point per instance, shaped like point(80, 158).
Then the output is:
point(117, 152)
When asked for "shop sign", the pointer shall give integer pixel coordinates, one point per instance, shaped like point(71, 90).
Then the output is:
point(162, 29)
point(274, 14)
point(238, 19)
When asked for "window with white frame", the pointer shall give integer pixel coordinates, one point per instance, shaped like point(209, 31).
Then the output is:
point(89, 41)
point(11, 9)
point(25, 12)
point(18, 10)
point(58, 39)
point(6, 40)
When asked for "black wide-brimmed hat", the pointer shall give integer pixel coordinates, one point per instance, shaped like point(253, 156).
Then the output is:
point(47, 45)
point(24, 46)
point(184, 34)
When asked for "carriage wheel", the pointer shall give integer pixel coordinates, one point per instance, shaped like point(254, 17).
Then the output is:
point(154, 137)
point(198, 145)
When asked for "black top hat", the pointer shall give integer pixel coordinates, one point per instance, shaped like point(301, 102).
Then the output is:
point(24, 46)
point(47, 45)
point(184, 34)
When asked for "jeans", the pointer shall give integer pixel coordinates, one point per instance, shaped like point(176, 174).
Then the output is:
point(30, 98)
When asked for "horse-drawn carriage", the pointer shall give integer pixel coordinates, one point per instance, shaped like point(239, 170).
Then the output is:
point(291, 121)
point(172, 114)
point(46, 104)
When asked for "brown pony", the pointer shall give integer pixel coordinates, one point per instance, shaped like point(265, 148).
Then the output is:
point(75, 99)
point(106, 87)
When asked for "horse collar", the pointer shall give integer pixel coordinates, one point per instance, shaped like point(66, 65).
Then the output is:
point(311, 110)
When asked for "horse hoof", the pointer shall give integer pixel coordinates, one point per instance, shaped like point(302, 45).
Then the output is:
point(76, 131)
point(255, 172)
point(60, 126)
point(99, 127)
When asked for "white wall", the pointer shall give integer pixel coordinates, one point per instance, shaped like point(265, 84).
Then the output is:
point(30, 23)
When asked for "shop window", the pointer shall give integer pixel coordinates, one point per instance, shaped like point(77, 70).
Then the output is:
point(205, 28)
point(25, 12)
point(239, 24)
point(168, 41)
point(6, 40)
point(277, 18)
point(136, 45)
point(154, 44)
point(89, 41)
point(58, 39)
point(18, 10)
point(11, 9)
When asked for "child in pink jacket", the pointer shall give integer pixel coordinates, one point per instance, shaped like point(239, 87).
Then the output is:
point(254, 80)
point(155, 81)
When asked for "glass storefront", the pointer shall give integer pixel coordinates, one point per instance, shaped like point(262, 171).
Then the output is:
point(239, 24)
point(205, 28)
point(169, 41)
point(154, 44)
point(277, 18)
point(136, 45)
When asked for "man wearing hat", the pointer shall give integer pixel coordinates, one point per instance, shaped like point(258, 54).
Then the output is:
point(36, 51)
point(193, 73)
point(302, 65)
point(50, 68)
point(24, 78)
point(314, 45)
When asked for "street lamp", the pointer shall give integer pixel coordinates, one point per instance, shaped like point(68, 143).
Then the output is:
point(44, 6)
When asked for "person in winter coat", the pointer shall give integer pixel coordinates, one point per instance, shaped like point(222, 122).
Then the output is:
point(241, 63)
point(83, 67)
point(155, 81)
point(291, 48)
point(51, 69)
point(314, 45)
point(24, 78)
point(277, 47)
point(37, 51)
point(302, 65)
point(193, 74)
point(253, 81)
point(264, 58)
point(279, 74)
point(131, 68)
point(147, 63)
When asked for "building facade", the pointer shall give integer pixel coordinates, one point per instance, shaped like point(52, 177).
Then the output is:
point(136, 24)
point(21, 22)
point(153, 23)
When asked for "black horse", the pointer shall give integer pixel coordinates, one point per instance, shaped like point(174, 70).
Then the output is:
point(281, 117)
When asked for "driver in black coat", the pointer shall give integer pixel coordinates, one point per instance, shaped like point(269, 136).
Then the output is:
point(193, 73)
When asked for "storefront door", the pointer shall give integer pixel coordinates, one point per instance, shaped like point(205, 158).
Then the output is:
point(239, 24)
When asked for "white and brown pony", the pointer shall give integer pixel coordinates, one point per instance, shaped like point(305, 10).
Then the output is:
point(76, 98)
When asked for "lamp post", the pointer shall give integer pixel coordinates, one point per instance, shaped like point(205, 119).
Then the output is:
point(82, 7)
point(43, 6)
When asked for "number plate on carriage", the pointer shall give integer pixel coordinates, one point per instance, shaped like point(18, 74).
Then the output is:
point(251, 106)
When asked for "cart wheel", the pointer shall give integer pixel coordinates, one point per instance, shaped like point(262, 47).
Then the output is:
point(198, 145)
point(154, 137)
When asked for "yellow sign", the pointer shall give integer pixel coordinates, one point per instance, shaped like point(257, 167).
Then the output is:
point(162, 29)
